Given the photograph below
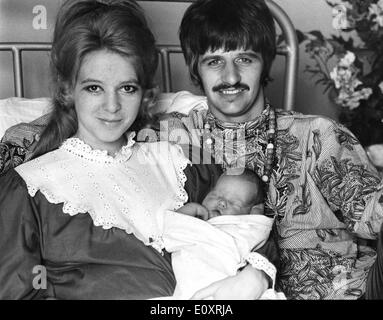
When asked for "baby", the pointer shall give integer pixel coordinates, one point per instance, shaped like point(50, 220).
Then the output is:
point(207, 251)
point(235, 193)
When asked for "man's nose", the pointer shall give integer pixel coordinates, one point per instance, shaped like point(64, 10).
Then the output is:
point(112, 102)
point(231, 74)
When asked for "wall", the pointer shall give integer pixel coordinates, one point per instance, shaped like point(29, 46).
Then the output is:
point(23, 20)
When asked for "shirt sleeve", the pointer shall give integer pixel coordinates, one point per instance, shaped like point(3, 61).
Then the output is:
point(347, 179)
point(11, 156)
point(20, 259)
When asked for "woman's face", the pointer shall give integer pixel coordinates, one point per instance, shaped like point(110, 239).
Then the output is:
point(107, 97)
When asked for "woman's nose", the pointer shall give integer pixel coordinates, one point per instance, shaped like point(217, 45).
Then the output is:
point(231, 74)
point(112, 103)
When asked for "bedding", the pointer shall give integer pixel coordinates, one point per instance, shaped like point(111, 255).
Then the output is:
point(18, 110)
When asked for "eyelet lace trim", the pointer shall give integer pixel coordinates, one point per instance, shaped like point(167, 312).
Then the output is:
point(259, 262)
point(79, 148)
point(126, 195)
point(180, 164)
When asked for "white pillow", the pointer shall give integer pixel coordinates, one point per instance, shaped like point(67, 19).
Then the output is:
point(181, 101)
point(16, 110)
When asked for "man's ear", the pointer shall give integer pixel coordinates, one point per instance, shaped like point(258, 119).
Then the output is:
point(257, 209)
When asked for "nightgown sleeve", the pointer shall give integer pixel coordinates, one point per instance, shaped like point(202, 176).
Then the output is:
point(20, 236)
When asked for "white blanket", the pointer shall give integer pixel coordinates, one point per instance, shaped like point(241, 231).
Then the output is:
point(207, 251)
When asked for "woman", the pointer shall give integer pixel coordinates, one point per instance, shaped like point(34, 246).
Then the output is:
point(103, 59)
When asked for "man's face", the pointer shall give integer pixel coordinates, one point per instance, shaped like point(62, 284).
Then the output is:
point(232, 83)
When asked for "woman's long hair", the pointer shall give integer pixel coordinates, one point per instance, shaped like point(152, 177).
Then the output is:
point(84, 26)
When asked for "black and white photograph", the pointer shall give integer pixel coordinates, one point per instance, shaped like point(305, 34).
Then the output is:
point(182, 151)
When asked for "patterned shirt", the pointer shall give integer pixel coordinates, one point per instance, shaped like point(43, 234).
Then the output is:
point(324, 194)
point(19, 141)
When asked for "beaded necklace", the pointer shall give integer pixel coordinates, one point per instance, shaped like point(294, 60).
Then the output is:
point(271, 125)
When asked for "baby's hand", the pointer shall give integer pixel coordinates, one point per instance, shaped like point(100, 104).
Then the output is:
point(195, 210)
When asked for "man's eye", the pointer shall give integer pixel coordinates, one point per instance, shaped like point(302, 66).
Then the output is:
point(129, 89)
point(244, 60)
point(93, 89)
point(214, 62)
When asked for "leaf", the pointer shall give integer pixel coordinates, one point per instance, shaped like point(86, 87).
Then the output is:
point(300, 210)
point(353, 292)
point(337, 166)
point(317, 254)
point(322, 273)
point(318, 35)
point(333, 182)
point(350, 193)
point(322, 291)
point(300, 36)
point(303, 273)
point(296, 156)
point(328, 87)
point(321, 234)
point(331, 4)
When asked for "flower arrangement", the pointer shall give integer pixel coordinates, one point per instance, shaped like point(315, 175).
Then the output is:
point(349, 64)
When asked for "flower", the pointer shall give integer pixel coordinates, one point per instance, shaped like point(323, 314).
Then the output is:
point(340, 21)
point(349, 64)
point(345, 79)
point(376, 13)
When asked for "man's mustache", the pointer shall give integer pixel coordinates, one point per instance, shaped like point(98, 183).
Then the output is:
point(225, 86)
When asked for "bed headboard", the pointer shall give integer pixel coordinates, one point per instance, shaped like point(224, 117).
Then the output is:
point(289, 50)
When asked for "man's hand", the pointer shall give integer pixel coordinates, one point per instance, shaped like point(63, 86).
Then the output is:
point(249, 284)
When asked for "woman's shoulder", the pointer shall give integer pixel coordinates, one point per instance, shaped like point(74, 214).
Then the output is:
point(12, 182)
point(35, 164)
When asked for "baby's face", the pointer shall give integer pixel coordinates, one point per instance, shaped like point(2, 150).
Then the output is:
point(231, 195)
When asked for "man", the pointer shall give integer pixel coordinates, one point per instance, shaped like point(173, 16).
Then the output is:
point(323, 192)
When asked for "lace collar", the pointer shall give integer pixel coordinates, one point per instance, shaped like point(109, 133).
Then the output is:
point(126, 195)
point(80, 149)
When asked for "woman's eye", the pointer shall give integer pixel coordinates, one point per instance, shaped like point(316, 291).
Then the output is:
point(93, 89)
point(129, 89)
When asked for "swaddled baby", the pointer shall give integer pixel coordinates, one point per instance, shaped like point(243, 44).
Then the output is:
point(212, 240)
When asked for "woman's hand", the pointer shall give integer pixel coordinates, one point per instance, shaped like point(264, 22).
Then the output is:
point(249, 284)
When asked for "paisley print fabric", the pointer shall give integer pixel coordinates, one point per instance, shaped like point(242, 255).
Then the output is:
point(325, 196)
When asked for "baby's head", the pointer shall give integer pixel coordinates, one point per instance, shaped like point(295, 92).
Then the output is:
point(234, 193)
